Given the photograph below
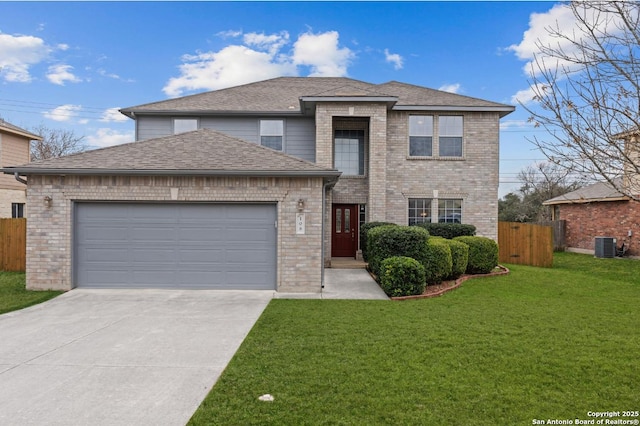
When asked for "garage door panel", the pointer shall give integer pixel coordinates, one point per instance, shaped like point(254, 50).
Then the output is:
point(215, 246)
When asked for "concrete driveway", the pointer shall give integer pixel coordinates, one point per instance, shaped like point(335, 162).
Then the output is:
point(120, 357)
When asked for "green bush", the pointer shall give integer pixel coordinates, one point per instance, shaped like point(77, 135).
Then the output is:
point(459, 258)
point(393, 240)
point(448, 230)
point(483, 254)
point(438, 263)
point(364, 228)
point(402, 276)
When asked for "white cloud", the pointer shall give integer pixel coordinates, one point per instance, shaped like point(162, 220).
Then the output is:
point(260, 57)
point(229, 34)
point(394, 58)
point(18, 53)
point(105, 137)
point(451, 88)
point(63, 112)
point(60, 73)
point(112, 115)
point(322, 54)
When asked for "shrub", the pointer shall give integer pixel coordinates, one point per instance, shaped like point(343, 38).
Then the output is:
point(483, 254)
point(393, 240)
point(438, 263)
point(459, 258)
point(402, 276)
point(364, 228)
point(448, 230)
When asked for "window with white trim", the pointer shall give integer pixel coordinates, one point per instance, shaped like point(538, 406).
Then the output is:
point(419, 210)
point(349, 152)
point(450, 130)
point(181, 125)
point(17, 210)
point(450, 210)
point(272, 134)
point(420, 135)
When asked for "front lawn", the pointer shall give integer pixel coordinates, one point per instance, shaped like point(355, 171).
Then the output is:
point(536, 344)
point(13, 295)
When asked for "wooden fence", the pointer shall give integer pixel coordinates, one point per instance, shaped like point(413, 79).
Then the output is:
point(525, 244)
point(559, 231)
point(13, 245)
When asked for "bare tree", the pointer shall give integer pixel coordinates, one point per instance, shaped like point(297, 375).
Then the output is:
point(55, 143)
point(538, 183)
point(587, 86)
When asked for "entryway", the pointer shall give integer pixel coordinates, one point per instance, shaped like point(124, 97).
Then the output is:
point(344, 234)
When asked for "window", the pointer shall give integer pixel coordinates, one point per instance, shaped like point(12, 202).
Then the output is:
point(271, 134)
point(450, 136)
point(450, 210)
point(419, 210)
point(181, 125)
point(349, 152)
point(17, 210)
point(420, 135)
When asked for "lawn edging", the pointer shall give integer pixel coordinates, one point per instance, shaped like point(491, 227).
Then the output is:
point(457, 283)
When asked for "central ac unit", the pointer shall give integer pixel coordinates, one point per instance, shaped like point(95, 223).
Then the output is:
point(605, 247)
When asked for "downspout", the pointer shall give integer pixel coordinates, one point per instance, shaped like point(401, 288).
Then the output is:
point(324, 202)
point(18, 178)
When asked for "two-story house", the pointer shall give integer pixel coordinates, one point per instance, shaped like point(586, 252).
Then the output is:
point(260, 185)
point(14, 149)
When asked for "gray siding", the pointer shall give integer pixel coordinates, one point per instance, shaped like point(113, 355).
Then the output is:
point(299, 138)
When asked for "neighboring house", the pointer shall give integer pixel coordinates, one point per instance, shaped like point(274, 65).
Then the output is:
point(600, 210)
point(198, 203)
point(14, 149)
point(597, 210)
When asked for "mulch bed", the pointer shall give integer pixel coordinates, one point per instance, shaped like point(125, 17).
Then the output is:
point(446, 286)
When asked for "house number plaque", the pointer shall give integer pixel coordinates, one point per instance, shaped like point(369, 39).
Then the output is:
point(300, 223)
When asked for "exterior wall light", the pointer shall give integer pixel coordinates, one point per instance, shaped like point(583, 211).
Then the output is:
point(300, 205)
point(47, 201)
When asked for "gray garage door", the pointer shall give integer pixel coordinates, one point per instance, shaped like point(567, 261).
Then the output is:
point(208, 246)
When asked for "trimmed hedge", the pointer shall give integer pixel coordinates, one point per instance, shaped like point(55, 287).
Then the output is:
point(483, 254)
point(394, 240)
point(448, 230)
point(459, 258)
point(364, 228)
point(402, 276)
point(438, 263)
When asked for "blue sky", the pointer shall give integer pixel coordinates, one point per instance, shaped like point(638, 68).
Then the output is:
point(72, 65)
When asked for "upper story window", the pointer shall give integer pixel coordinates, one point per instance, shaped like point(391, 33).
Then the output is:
point(272, 134)
point(181, 125)
point(420, 135)
point(349, 152)
point(450, 129)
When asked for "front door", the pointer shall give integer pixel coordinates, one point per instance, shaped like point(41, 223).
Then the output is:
point(344, 238)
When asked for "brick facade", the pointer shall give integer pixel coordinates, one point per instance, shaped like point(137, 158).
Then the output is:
point(50, 229)
point(392, 177)
point(585, 221)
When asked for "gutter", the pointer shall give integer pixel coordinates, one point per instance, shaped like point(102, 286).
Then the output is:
point(157, 172)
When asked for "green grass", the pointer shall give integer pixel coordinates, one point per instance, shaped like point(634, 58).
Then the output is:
point(14, 296)
point(536, 344)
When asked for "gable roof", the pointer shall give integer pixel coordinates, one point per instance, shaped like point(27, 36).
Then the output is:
point(15, 130)
point(601, 191)
point(203, 152)
point(285, 95)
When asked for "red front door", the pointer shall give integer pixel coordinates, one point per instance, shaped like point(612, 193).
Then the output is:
point(344, 238)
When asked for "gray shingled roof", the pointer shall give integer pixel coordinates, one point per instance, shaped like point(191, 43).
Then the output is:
point(12, 128)
point(201, 152)
point(601, 191)
point(283, 94)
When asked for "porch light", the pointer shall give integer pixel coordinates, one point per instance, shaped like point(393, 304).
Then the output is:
point(47, 201)
point(300, 205)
